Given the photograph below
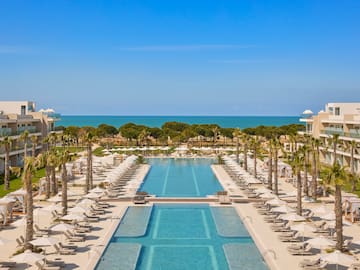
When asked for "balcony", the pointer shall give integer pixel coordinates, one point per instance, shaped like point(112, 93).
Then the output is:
point(30, 129)
point(332, 131)
point(5, 132)
point(55, 116)
point(353, 133)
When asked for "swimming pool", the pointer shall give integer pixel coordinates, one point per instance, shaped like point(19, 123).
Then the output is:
point(181, 177)
point(181, 237)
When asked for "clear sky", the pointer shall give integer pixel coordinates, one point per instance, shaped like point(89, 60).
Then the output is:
point(180, 57)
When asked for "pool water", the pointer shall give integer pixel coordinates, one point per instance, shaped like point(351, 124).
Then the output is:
point(179, 177)
point(181, 237)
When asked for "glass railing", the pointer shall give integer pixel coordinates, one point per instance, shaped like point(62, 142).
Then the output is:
point(55, 116)
point(31, 129)
point(352, 134)
point(332, 131)
point(5, 132)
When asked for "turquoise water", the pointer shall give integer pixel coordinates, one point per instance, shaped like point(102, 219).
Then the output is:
point(158, 121)
point(179, 177)
point(183, 237)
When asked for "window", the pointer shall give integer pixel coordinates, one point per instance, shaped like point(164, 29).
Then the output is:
point(23, 110)
point(337, 111)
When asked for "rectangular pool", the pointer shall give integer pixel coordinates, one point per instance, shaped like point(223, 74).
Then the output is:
point(181, 237)
point(181, 177)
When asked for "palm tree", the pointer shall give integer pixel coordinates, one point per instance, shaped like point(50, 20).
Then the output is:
point(353, 145)
point(25, 137)
point(296, 163)
point(255, 144)
point(30, 166)
point(334, 140)
point(7, 143)
point(236, 134)
point(276, 147)
point(306, 149)
point(88, 138)
point(336, 175)
point(64, 157)
point(315, 144)
point(215, 131)
point(51, 164)
point(270, 170)
point(245, 141)
point(34, 142)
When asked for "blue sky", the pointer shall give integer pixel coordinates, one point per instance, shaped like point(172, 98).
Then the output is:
point(180, 57)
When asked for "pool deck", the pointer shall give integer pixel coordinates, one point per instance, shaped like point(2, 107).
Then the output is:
point(273, 250)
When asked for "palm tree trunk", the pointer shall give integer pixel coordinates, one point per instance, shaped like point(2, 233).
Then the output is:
point(25, 151)
point(64, 188)
point(314, 175)
point(270, 172)
point(29, 211)
point(33, 150)
point(306, 187)
point(7, 168)
point(338, 215)
point(245, 156)
point(88, 169)
point(352, 169)
point(276, 183)
point(299, 189)
point(47, 185)
point(91, 171)
point(237, 150)
point(255, 161)
point(53, 181)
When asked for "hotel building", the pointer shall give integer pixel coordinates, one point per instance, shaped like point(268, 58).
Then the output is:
point(337, 118)
point(15, 118)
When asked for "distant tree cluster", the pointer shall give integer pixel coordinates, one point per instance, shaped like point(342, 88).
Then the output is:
point(271, 131)
point(175, 131)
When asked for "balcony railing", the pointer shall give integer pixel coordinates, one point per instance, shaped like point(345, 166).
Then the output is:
point(353, 134)
point(332, 131)
point(5, 132)
point(30, 129)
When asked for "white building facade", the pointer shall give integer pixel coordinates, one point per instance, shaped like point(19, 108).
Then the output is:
point(15, 118)
point(337, 118)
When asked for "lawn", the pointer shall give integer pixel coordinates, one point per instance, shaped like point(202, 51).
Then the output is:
point(16, 183)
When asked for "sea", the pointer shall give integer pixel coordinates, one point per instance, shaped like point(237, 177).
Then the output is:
point(157, 121)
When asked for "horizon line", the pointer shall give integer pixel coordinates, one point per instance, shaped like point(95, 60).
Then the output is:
point(182, 115)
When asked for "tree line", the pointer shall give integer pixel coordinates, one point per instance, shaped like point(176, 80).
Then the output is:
point(175, 131)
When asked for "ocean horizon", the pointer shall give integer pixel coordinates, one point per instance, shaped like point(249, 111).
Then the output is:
point(157, 121)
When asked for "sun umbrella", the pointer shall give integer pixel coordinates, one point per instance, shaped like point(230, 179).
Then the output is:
point(321, 242)
point(267, 195)
point(283, 209)
point(74, 216)
point(290, 194)
point(302, 228)
point(55, 199)
point(69, 193)
point(292, 217)
point(27, 257)
point(87, 202)
point(97, 190)
point(276, 202)
point(321, 210)
point(338, 257)
point(4, 241)
point(62, 227)
point(78, 209)
point(7, 200)
point(329, 216)
point(20, 222)
point(52, 207)
point(45, 241)
point(93, 195)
